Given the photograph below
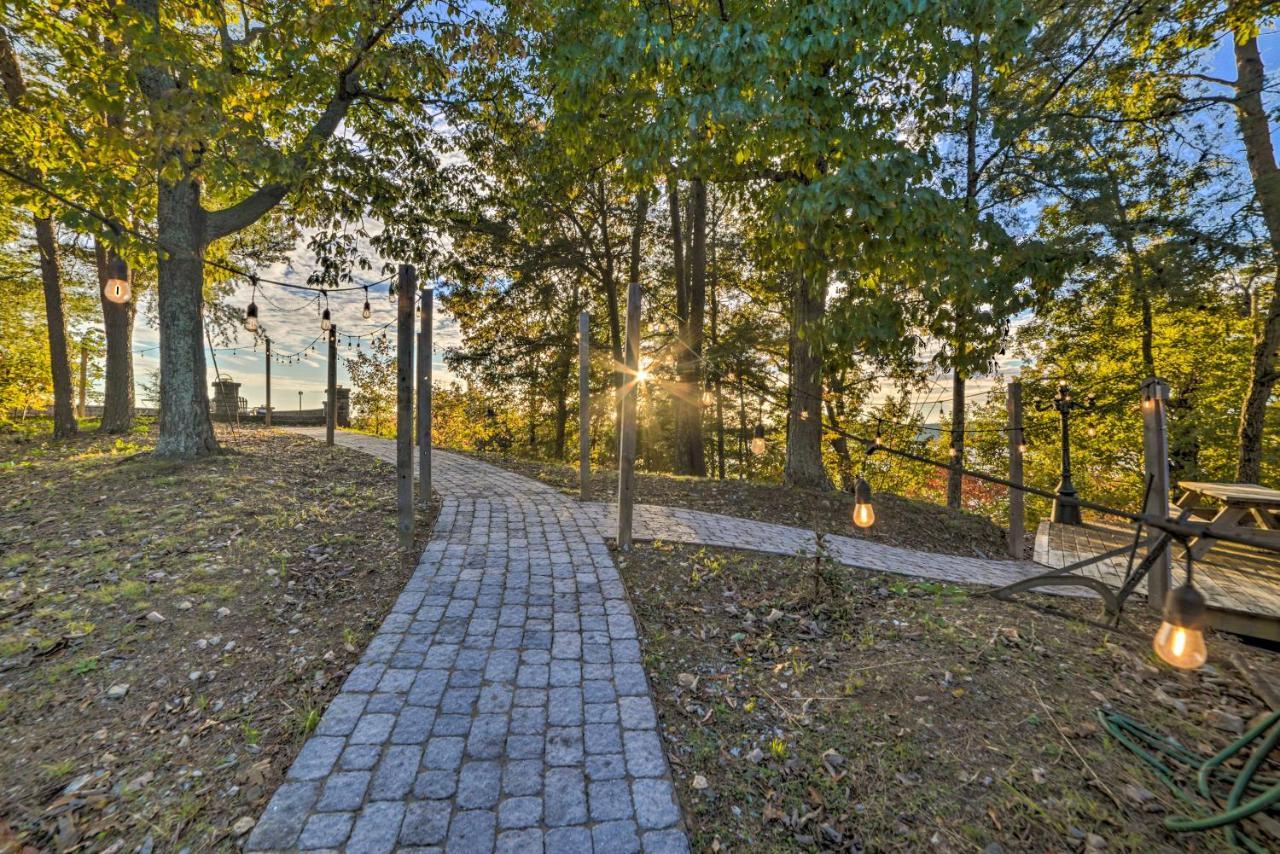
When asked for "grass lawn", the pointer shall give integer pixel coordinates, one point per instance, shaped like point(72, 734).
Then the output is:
point(808, 706)
point(899, 521)
point(170, 633)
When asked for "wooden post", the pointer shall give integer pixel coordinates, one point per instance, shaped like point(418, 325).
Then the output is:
point(1017, 498)
point(1155, 446)
point(425, 302)
point(627, 435)
point(268, 340)
point(584, 406)
point(84, 374)
point(331, 405)
point(404, 405)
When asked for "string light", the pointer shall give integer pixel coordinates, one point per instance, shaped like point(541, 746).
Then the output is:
point(367, 311)
point(1180, 638)
point(117, 288)
point(864, 513)
point(251, 313)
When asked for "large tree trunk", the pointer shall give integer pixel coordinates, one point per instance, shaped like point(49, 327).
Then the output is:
point(1256, 134)
point(117, 321)
point(185, 427)
point(804, 466)
point(690, 310)
point(64, 418)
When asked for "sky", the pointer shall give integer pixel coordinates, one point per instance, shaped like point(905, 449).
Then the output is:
point(292, 318)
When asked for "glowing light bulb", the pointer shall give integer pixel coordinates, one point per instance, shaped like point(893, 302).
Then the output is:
point(325, 321)
point(251, 317)
point(757, 440)
point(864, 512)
point(708, 397)
point(1180, 638)
point(367, 312)
point(117, 288)
point(1022, 448)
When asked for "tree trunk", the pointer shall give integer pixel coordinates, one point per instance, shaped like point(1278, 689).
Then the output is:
point(691, 280)
point(64, 419)
point(1256, 135)
point(117, 321)
point(804, 466)
point(185, 428)
point(955, 478)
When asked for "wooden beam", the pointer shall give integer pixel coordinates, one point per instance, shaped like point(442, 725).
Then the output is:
point(405, 288)
point(584, 406)
point(627, 433)
point(425, 302)
point(1017, 498)
point(331, 406)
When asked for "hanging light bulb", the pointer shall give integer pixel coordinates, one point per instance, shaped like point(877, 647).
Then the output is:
point(367, 312)
point(117, 288)
point(251, 317)
point(864, 513)
point(757, 440)
point(708, 398)
point(325, 321)
point(1180, 638)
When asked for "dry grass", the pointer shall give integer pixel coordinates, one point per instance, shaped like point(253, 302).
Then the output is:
point(270, 564)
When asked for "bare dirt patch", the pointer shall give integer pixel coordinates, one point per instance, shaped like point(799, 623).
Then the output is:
point(899, 521)
point(170, 633)
point(807, 706)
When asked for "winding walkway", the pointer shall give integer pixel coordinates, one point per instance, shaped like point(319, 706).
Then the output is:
point(502, 705)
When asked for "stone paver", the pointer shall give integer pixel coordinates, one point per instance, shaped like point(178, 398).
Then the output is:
point(500, 707)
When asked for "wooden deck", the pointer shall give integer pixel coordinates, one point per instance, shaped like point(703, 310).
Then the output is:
point(1241, 585)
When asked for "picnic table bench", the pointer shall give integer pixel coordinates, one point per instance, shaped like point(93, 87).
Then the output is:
point(1230, 507)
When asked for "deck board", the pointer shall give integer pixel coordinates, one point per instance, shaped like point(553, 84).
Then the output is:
point(1240, 584)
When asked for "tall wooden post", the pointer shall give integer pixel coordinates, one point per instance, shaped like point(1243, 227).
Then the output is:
point(1155, 446)
point(331, 405)
point(627, 435)
point(584, 406)
point(84, 374)
point(1017, 443)
point(425, 302)
point(268, 340)
point(405, 286)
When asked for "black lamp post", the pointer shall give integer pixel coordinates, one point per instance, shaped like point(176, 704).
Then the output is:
point(1065, 510)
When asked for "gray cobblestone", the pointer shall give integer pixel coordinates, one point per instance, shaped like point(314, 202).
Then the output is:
point(527, 841)
point(377, 828)
point(343, 791)
point(616, 837)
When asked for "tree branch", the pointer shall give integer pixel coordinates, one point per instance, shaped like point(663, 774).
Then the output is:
point(244, 213)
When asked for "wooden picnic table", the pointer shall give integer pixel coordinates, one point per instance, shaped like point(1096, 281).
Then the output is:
point(1238, 506)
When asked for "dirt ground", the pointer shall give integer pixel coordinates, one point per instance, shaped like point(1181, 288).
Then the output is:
point(808, 706)
point(170, 633)
point(899, 521)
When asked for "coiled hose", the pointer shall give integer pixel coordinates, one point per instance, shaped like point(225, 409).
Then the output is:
point(1152, 748)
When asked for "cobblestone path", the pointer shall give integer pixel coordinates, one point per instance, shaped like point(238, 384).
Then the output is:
point(501, 706)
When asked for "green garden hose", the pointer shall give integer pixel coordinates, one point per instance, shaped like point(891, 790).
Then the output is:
point(1152, 748)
